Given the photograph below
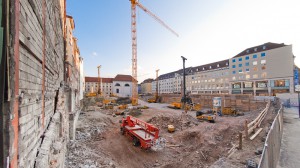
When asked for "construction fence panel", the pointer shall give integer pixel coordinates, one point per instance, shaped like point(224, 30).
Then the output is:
point(271, 151)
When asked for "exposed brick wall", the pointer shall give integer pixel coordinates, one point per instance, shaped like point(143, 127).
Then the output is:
point(36, 128)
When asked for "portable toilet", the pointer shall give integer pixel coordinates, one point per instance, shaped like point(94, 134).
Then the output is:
point(217, 105)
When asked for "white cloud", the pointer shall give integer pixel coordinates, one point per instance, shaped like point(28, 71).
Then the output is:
point(95, 54)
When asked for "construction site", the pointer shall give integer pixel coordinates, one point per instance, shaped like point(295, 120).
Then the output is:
point(232, 140)
point(56, 112)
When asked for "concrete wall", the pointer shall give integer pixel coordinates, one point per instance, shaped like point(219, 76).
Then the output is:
point(239, 102)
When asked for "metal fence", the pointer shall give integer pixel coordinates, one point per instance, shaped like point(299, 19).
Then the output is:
point(271, 151)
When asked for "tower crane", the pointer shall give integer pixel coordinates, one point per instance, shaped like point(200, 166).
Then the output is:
point(135, 3)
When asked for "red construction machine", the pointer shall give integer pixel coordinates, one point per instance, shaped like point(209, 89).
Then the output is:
point(141, 133)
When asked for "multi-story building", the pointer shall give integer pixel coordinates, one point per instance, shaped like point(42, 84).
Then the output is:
point(146, 86)
point(209, 78)
point(92, 84)
point(120, 86)
point(263, 70)
point(266, 69)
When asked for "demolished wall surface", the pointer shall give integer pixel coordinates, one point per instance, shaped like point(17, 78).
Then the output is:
point(36, 73)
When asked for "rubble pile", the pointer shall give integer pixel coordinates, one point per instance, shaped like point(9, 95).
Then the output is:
point(123, 100)
point(81, 154)
point(179, 122)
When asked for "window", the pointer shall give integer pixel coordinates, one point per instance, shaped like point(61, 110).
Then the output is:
point(263, 67)
point(264, 75)
point(240, 65)
point(127, 85)
point(263, 61)
point(240, 71)
point(263, 54)
point(117, 84)
point(255, 56)
point(254, 68)
point(233, 66)
point(247, 76)
point(233, 60)
point(247, 58)
point(255, 76)
point(117, 90)
point(247, 64)
point(254, 62)
point(247, 70)
point(240, 59)
point(233, 72)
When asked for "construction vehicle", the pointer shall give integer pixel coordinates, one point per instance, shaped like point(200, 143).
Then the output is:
point(91, 94)
point(141, 133)
point(188, 106)
point(209, 116)
point(175, 105)
point(135, 3)
point(123, 106)
point(221, 110)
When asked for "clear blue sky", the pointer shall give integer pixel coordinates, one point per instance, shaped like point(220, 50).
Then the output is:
point(209, 31)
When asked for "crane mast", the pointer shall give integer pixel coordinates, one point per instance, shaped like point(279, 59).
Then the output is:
point(134, 53)
point(135, 3)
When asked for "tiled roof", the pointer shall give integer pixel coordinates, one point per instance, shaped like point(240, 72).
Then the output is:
point(211, 66)
point(260, 48)
point(191, 70)
point(123, 78)
point(149, 80)
point(95, 79)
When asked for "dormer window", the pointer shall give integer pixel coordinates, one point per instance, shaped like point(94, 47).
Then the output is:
point(247, 51)
point(209, 67)
point(255, 49)
point(264, 47)
point(226, 63)
point(218, 65)
point(197, 69)
point(203, 68)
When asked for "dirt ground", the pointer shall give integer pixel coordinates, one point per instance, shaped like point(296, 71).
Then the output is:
point(194, 143)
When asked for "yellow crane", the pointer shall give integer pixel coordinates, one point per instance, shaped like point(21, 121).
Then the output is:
point(135, 3)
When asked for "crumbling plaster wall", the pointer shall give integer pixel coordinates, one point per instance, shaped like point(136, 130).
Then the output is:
point(38, 68)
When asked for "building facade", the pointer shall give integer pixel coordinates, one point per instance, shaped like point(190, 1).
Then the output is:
point(122, 86)
point(266, 69)
point(146, 86)
point(92, 84)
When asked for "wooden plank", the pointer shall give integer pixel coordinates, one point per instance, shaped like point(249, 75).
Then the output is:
point(258, 131)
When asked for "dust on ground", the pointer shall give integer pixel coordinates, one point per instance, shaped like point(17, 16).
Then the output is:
point(194, 143)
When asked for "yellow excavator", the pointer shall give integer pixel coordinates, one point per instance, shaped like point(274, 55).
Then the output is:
point(209, 116)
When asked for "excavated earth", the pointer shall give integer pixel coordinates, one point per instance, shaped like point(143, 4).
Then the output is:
point(194, 143)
